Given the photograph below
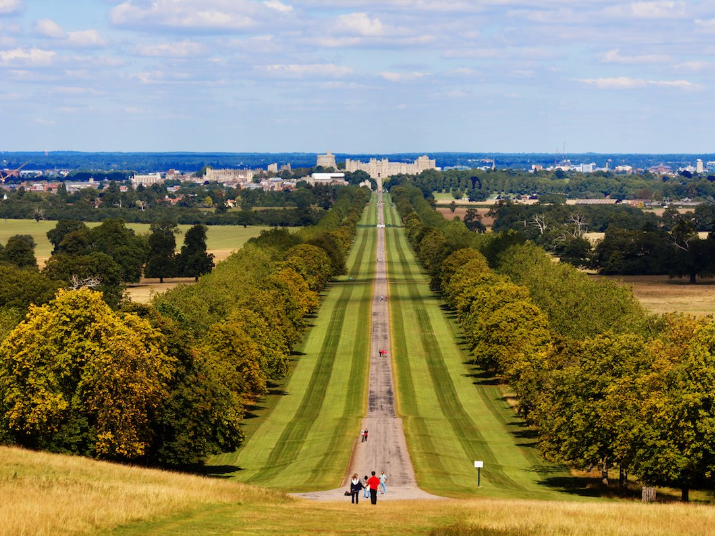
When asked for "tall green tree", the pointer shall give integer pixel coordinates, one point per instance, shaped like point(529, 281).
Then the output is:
point(193, 260)
point(161, 261)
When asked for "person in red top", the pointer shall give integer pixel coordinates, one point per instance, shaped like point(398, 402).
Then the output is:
point(373, 483)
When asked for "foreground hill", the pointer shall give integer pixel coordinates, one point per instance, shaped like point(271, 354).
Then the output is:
point(61, 495)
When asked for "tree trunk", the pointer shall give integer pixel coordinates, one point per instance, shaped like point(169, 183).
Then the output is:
point(622, 480)
point(604, 471)
point(161, 279)
point(685, 494)
point(692, 279)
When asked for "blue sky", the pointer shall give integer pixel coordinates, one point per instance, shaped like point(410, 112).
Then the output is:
point(357, 75)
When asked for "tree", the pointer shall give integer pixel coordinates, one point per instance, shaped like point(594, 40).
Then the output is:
point(79, 378)
point(473, 221)
point(62, 229)
point(161, 261)
point(193, 260)
point(20, 251)
point(20, 288)
point(99, 267)
point(116, 240)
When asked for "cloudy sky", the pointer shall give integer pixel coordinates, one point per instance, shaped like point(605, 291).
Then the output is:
point(357, 75)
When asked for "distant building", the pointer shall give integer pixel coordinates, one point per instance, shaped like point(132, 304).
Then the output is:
point(329, 179)
point(711, 167)
point(699, 168)
point(286, 167)
point(272, 168)
point(326, 161)
point(73, 187)
point(146, 180)
point(228, 175)
point(381, 169)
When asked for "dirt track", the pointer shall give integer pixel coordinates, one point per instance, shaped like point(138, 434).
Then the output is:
point(386, 448)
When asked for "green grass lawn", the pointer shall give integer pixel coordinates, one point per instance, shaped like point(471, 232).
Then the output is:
point(454, 414)
point(303, 437)
point(220, 237)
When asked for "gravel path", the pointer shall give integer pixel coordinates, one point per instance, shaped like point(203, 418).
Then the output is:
point(386, 448)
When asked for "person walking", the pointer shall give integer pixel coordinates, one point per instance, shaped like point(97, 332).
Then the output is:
point(373, 483)
point(383, 479)
point(355, 488)
point(365, 435)
point(362, 436)
point(366, 488)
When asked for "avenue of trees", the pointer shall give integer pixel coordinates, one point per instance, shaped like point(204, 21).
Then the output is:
point(167, 383)
point(603, 383)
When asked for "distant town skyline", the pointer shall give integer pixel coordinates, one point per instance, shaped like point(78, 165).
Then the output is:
point(357, 76)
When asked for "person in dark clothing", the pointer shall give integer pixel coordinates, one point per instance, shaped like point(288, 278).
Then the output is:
point(373, 483)
point(355, 488)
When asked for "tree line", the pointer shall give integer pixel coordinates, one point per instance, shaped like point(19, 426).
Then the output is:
point(635, 242)
point(478, 185)
point(602, 382)
point(167, 383)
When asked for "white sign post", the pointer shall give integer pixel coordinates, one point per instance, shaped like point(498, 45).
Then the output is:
point(479, 465)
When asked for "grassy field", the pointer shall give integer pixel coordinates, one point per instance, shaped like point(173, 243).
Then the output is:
point(49, 494)
point(453, 414)
point(222, 239)
point(660, 294)
point(306, 443)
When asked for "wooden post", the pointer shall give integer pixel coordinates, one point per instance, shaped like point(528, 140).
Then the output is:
point(648, 494)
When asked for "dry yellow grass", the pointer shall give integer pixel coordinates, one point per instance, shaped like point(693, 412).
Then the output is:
point(660, 294)
point(47, 494)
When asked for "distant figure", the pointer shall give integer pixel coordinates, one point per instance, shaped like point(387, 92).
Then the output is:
point(355, 487)
point(362, 435)
point(373, 483)
point(383, 479)
point(366, 488)
point(365, 435)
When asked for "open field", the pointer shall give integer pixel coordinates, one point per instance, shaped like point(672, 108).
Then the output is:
point(49, 494)
point(660, 294)
point(222, 239)
point(303, 438)
point(461, 212)
point(454, 414)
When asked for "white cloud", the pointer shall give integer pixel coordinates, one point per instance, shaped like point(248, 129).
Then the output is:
point(305, 70)
point(50, 28)
point(360, 24)
point(707, 25)
point(615, 56)
point(78, 39)
point(27, 57)
point(693, 66)
point(11, 7)
point(661, 9)
point(278, 6)
point(181, 49)
point(636, 83)
point(84, 39)
point(192, 14)
point(392, 76)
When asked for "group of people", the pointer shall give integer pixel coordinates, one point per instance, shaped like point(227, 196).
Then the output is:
point(363, 435)
point(369, 486)
point(383, 353)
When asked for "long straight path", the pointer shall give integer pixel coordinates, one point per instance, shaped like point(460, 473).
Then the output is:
point(386, 447)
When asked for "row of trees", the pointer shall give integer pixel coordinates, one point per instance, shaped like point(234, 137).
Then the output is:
point(167, 383)
point(478, 185)
point(602, 382)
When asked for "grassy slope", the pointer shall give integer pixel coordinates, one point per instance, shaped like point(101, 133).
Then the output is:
point(451, 413)
point(306, 442)
point(220, 237)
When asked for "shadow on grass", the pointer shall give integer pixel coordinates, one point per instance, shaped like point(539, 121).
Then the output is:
point(214, 471)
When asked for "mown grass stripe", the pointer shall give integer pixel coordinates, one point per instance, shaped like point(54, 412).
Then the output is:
point(292, 439)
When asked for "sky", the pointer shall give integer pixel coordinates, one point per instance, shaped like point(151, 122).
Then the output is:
point(358, 76)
